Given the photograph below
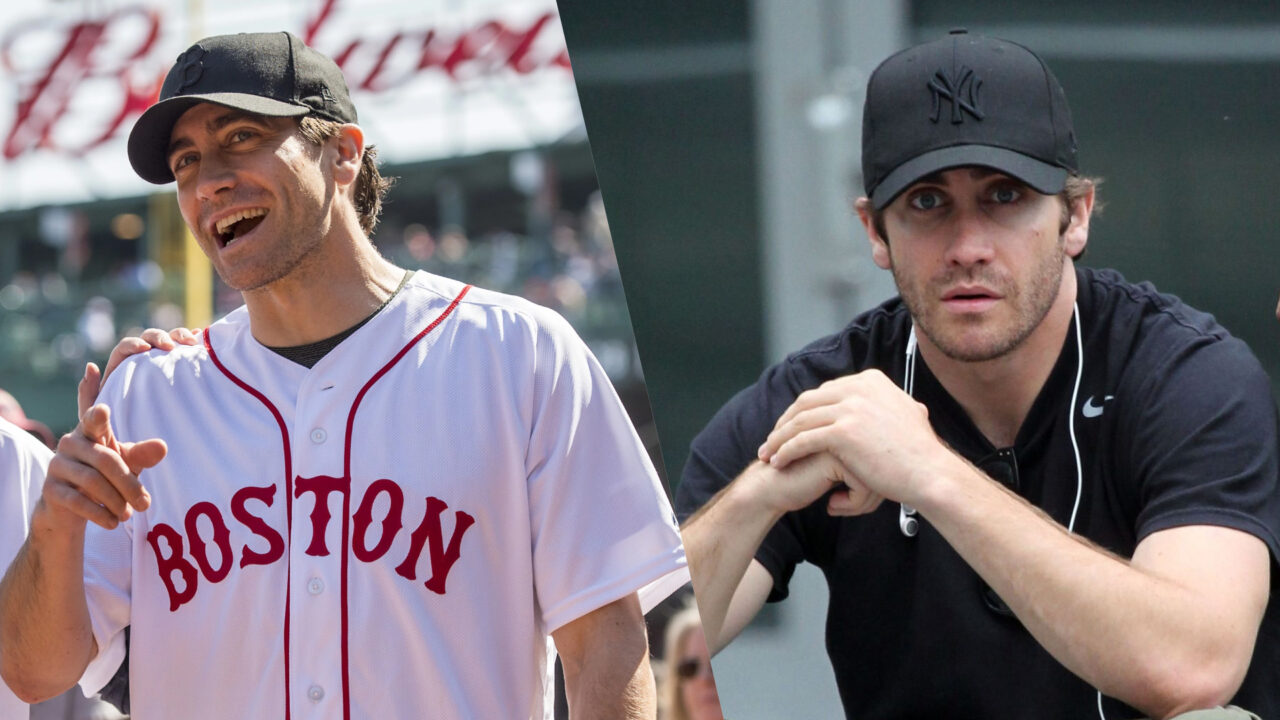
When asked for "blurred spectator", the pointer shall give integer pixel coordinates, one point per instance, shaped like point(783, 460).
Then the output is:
point(97, 325)
point(10, 410)
point(688, 689)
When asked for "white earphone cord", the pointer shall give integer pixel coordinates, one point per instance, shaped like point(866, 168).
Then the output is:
point(909, 525)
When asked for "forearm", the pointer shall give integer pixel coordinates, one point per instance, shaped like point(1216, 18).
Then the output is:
point(604, 690)
point(605, 656)
point(46, 639)
point(720, 541)
point(1135, 635)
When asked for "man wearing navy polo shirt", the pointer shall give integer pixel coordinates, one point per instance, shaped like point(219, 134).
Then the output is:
point(1035, 489)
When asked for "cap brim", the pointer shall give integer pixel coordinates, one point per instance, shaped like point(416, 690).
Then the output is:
point(149, 139)
point(1041, 176)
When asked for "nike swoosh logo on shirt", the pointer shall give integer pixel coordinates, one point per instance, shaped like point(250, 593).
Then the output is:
point(1093, 410)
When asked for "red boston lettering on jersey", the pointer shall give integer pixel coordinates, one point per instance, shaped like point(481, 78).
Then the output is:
point(321, 485)
point(256, 525)
point(363, 518)
point(441, 559)
point(189, 563)
point(173, 562)
point(221, 538)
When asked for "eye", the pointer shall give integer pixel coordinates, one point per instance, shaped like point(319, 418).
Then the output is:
point(182, 161)
point(925, 200)
point(241, 135)
point(1005, 194)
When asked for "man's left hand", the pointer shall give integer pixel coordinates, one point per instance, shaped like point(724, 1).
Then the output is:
point(91, 384)
point(880, 434)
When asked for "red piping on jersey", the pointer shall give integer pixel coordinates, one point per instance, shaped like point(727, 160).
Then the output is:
point(288, 495)
point(346, 474)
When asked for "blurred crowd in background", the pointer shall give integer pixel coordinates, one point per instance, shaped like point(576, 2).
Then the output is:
point(70, 294)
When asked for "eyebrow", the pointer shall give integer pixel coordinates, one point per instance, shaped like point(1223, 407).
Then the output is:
point(214, 125)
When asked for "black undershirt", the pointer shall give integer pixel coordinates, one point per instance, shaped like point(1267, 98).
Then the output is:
point(309, 354)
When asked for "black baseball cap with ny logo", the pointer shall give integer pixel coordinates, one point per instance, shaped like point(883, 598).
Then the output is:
point(273, 74)
point(960, 101)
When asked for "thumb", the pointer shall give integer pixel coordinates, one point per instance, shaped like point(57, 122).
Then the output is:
point(142, 455)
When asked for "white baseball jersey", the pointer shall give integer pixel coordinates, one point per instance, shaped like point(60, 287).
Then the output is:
point(23, 461)
point(391, 534)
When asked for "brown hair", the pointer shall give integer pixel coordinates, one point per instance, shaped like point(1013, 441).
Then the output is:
point(370, 188)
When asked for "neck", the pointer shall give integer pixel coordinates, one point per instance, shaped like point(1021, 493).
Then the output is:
point(337, 286)
point(997, 394)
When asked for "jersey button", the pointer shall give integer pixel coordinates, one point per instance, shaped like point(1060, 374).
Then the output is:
point(315, 586)
point(318, 435)
point(316, 693)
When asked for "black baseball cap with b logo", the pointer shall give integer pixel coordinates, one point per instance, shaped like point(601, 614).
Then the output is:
point(272, 74)
point(960, 101)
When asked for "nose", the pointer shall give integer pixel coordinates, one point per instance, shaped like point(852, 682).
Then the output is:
point(970, 241)
point(213, 176)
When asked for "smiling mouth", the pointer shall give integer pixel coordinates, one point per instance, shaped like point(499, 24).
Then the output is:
point(234, 226)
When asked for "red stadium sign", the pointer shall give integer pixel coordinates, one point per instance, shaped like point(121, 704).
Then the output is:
point(90, 53)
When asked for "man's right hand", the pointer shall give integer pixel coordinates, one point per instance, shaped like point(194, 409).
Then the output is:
point(94, 477)
point(804, 481)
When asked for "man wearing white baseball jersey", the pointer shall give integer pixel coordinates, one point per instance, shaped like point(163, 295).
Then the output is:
point(368, 493)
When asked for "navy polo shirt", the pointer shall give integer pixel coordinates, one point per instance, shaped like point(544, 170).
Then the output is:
point(1174, 423)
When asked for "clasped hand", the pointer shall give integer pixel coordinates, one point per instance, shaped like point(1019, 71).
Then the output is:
point(861, 430)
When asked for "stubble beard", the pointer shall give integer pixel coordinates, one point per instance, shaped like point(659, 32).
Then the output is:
point(1030, 305)
point(286, 254)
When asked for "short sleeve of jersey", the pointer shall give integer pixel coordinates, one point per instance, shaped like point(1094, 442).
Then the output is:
point(601, 521)
point(108, 565)
point(1204, 442)
point(725, 447)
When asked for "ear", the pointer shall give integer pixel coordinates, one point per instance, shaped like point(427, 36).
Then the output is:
point(349, 144)
point(1076, 236)
point(879, 246)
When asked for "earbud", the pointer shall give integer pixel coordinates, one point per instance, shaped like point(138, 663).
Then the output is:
point(907, 522)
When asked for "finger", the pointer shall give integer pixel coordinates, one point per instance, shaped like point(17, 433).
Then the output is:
point(123, 349)
point(99, 474)
point(145, 454)
point(70, 499)
point(850, 503)
point(87, 390)
point(158, 338)
point(183, 336)
point(801, 445)
point(825, 394)
point(807, 420)
point(96, 426)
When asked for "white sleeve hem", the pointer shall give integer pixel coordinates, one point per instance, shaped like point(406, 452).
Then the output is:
point(652, 578)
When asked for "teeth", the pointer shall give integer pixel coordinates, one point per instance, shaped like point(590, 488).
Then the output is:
point(225, 223)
